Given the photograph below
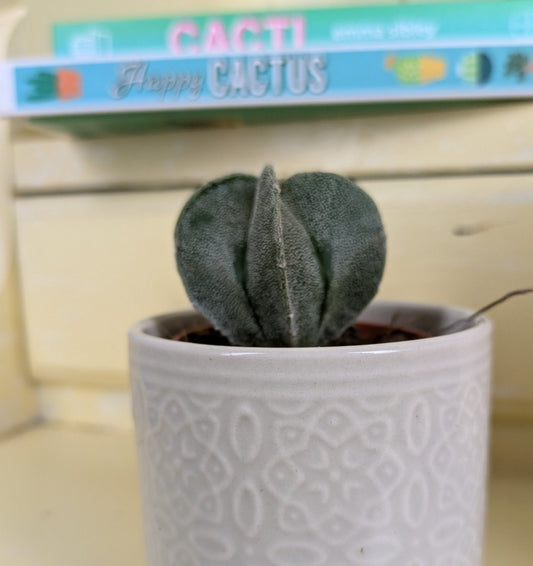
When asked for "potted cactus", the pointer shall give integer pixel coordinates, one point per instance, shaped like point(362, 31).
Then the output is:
point(276, 445)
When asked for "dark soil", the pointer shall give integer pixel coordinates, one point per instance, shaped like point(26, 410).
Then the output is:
point(361, 333)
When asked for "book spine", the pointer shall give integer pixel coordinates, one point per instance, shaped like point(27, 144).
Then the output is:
point(286, 78)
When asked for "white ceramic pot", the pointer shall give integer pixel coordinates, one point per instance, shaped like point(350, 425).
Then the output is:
point(353, 455)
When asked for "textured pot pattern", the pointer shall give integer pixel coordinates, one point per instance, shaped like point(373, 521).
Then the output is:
point(367, 456)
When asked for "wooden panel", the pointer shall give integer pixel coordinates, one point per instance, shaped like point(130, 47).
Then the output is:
point(87, 406)
point(91, 265)
point(17, 401)
point(467, 241)
point(495, 137)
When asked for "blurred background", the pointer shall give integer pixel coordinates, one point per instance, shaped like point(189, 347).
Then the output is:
point(87, 250)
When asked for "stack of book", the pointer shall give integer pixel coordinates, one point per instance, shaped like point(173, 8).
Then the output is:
point(342, 56)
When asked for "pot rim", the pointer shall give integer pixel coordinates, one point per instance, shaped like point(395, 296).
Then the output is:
point(148, 331)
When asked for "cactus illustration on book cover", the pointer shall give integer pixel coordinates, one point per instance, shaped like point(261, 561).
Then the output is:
point(62, 84)
point(416, 69)
point(475, 68)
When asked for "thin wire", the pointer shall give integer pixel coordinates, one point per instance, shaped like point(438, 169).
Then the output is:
point(472, 318)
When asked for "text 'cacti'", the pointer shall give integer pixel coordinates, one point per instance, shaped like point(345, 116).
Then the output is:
point(280, 264)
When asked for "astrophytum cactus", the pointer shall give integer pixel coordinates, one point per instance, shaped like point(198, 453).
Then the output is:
point(280, 264)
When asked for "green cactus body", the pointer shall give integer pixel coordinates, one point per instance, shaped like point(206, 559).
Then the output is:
point(280, 264)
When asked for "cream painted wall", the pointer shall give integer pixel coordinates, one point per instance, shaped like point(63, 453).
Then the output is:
point(17, 400)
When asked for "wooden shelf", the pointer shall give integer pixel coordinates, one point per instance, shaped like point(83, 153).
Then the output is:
point(70, 497)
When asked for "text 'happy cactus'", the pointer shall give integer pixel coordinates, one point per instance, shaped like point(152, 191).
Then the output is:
point(280, 264)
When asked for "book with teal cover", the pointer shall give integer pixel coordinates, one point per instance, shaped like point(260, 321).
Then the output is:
point(277, 64)
point(300, 29)
point(267, 80)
